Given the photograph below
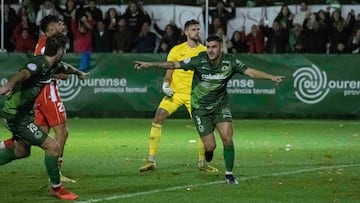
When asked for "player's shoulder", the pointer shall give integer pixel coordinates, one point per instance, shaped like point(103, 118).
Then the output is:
point(178, 46)
point(35, 64)
point(202, 54)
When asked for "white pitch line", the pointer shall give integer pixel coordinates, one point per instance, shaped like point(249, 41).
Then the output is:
point(129, 195)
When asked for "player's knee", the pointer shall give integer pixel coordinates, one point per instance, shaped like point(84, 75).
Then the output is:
point(227, 141)
point(210, 146)
point(51, 147)
point(52, 150)
point(160, 116)
point(22, 153)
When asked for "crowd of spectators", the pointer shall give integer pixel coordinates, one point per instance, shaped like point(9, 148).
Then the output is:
point(91, 30)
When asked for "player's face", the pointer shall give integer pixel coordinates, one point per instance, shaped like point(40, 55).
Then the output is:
point(193, 32)
point(55, 28)
point(213, 49)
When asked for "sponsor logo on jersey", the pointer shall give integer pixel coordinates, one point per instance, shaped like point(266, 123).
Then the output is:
point(186, 61)
point(213, 76)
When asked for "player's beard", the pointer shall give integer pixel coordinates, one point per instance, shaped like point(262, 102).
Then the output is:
point(196, 38)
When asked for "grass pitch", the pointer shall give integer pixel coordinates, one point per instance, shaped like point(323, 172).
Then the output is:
point(276, 161)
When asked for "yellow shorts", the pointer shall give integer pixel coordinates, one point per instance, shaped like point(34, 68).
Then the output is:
point(171, 104)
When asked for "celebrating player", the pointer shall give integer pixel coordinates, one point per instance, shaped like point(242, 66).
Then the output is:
point(209, 99)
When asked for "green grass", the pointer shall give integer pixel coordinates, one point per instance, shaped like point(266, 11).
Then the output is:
point(322, 163)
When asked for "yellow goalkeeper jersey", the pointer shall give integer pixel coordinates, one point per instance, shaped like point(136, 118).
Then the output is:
point(181, 80)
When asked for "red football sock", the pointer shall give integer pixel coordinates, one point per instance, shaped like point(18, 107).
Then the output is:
point(9, 143)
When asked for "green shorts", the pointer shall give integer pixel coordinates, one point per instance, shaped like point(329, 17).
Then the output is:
point(24, 128)
point(205, 120)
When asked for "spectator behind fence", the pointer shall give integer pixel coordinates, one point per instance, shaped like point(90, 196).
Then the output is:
point(70, 42)
point(101, 38)
point(96, 13)
point(169, 36)
point(226, 43)
point(255, 40)
point(339, 37)
point(70, 6)
point(277, 38)
point(28, 8)
point(145, 41)
point(122, 37)
point(135, 17)
point(215, 25)
point(302, 13)
point(238, 42)
point(317, 32)
point(47, 8)
point(222, 13)
point(110, 20)
point(285, 17)
point(24, 42)
point(32, 28)
point(82, 32)
point(298, 40)
point(335, 18)
point(357, 22)
point(354, 42)
point(10, 22)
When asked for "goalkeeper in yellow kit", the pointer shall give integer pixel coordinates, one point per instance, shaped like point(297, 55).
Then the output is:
point(177, 88)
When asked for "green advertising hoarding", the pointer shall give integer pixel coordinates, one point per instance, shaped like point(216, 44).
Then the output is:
point(315, 86)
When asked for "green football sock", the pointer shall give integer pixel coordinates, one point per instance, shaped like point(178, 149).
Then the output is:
point(52, 168)
point(7, 155)
point(229, 157)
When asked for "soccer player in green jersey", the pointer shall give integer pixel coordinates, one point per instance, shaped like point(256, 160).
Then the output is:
point(22, 90)
point(209, 99)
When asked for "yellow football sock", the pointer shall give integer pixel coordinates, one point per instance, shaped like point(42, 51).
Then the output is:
point(201, 149)
point(154, 138)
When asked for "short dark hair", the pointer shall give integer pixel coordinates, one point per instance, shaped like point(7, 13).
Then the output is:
point(46, 21)
point(191, 22)
point(54, 43)
point(214, 38)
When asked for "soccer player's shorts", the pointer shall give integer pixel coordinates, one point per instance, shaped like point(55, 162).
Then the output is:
point(205, 120)
point(49, 109)
point(171, 104)
point(50, 113)
point(25, 129)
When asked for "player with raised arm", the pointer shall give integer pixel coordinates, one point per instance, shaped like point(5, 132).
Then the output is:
point(177, 88)
point(22, 89)
point(209, 99)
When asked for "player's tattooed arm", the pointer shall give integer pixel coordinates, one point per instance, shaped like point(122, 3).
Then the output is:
point(166, 65)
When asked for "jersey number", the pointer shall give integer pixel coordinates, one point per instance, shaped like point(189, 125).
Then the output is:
point(60, 107)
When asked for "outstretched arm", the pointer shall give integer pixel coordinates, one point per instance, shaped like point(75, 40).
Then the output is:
point(166, 65)
point(253, 73)
point(16, 79)
point(70, 69)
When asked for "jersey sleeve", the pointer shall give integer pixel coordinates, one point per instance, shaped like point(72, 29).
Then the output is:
point(62, 68)
point(239, 67)
point(194, 62)
point(189, 64)
point(32, 67)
